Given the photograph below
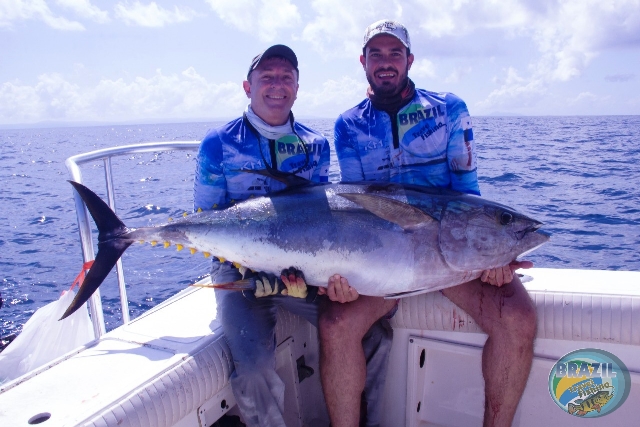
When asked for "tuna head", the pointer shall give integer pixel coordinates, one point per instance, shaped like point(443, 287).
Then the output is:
point(476, 234)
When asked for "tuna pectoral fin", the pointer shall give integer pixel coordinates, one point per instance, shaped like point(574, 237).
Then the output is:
point(286, 178)
point(403, 214)
point(407, 293)
point(108, 254)
point(238, 285)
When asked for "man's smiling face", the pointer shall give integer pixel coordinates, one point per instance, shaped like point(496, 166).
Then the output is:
point(272, 88)
point(386, 65)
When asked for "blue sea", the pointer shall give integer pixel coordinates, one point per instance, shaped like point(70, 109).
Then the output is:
point(579, 175)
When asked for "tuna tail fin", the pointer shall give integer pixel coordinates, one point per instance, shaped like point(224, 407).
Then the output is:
point(111, 245)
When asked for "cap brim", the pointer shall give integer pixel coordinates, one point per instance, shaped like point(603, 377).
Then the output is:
point(276, 50)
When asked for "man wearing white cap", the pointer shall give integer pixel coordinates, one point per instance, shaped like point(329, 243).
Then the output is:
point(265, 137)
point(408, 135)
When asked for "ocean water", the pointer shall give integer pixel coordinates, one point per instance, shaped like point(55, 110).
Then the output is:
point(579, 175)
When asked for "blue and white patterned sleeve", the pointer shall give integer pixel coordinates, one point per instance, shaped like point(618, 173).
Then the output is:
point(347, 152)
point(210, 185)
point(461, 151)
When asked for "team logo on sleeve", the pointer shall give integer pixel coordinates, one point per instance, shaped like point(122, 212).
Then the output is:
point(420, 130)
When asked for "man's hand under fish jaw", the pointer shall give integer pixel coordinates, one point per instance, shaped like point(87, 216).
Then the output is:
point(339, 290)
point(294, 281)
point(503, 275)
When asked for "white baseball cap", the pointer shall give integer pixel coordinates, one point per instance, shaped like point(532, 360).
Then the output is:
point(387, 26)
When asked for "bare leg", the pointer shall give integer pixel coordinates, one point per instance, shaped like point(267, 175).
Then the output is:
point(342, 360)
point(508, 316)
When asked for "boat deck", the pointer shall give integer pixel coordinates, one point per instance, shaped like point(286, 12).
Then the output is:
point(171, 366)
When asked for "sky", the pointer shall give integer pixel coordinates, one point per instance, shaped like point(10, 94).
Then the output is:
point(140, 61)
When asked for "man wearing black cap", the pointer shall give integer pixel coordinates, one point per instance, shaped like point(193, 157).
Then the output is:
point(266, 137)
point(408, 135)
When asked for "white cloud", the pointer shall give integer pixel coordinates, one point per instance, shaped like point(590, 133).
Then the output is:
point(457, 74)
point(264, 18)
point(460, 17)
point(423, 68)
point(85, 9)
point(152, 15)
point(515, 92)
point(21, 10)
point(177, 96)
point(568, 35)
point(338, 27)
point(556, 40)
point(583, 97)
point(186, 95)
point(331, 97)
point(19, 103)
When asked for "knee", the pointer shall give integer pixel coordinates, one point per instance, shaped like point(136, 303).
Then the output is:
point(519, 319)
point(335, 324)
point(331, 321)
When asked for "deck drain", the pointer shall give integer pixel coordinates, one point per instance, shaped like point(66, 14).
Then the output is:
point(40, 418)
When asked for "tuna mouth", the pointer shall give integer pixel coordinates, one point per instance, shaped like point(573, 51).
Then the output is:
point(530, 229)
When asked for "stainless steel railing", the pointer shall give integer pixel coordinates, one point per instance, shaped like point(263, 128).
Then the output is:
point(84, 225)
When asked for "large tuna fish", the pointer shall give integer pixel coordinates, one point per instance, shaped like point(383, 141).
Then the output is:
point(388, 239)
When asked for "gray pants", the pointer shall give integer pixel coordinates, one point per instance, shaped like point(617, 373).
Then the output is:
point(249, 328)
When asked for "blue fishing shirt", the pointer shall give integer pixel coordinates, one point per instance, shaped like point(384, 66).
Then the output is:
point(434, 143)
point(228, 150)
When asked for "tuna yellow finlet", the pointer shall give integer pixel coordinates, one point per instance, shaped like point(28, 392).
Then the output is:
point(179, 246)
point(167, 244)
point(184, 214)
point(236, 265)
point(199, 210)
point(193, 250)
point(141, 242)
point(154, 242)
point(170, 219)
point(221, 259)
point(206, 254)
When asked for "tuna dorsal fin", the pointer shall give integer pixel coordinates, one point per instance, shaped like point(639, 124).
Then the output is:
point(287, 179)
point(403, 214)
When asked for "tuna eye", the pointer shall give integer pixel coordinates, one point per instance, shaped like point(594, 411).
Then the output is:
point(506, 218)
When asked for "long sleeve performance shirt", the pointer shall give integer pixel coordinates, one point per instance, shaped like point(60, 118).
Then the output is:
point(228, 150)
point(428, 142)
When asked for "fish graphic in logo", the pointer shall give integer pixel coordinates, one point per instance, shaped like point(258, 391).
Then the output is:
point(589, 383)
point(592, 403)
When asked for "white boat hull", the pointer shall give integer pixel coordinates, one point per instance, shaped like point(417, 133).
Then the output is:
point(171, 366)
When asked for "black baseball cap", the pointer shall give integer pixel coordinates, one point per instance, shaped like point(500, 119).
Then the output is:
point(275, 50)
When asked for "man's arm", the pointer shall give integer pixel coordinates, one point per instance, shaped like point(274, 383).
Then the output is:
point(461, 149)
point(210, 185)
point(209, 192)
point(462, 164)
point(347, 153)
